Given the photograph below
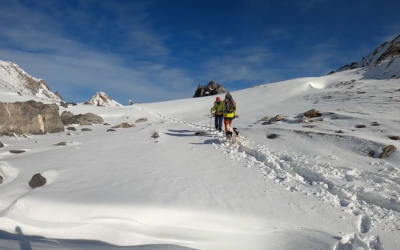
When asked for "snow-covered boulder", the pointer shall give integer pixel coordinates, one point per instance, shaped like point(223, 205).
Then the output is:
point(102, 99)
point(14, 78)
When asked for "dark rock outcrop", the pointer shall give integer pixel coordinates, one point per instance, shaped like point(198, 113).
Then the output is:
point(1, 144)
point(63, 143)
point(1, 179)
point(29, 118)
point(211, 89)
point(16, 151)
point(86, 129)
point(37, 181)
point(394, 137)
point(111, 130)
point(273, 136)
point(155, 135)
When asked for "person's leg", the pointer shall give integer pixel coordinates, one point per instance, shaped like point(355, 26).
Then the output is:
point(220, 123)
point(216, 122)
point(226, 123)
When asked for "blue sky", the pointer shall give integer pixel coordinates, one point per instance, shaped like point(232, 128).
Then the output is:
point(158, 50)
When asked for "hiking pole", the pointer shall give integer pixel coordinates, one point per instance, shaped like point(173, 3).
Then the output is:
point(210, 120)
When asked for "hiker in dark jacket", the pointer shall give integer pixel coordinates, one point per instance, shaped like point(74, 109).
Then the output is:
point(218, 115)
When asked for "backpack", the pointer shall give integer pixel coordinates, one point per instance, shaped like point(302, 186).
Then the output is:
point(230, 105)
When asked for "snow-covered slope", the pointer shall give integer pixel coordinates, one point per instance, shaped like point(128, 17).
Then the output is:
point(102, 99)
point(383, 63)
point(15, 81)
point(314, 187)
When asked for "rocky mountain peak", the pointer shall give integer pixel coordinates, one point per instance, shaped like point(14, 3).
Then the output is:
point(102, 99)
point(13, 77)
point(383, 63)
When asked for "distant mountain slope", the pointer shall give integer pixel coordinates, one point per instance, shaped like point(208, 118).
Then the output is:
point(15, 79)
point(383, 63)
point(102, 99)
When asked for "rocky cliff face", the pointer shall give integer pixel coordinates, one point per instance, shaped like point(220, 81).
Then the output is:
point(102, 99)
point(383, 63)
point(29, 118)
point(14, 78)
point(211, 89)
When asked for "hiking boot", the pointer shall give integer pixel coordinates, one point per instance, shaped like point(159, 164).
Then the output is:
point(220, 130)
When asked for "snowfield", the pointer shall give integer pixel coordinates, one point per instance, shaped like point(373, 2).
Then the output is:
point(313, 187)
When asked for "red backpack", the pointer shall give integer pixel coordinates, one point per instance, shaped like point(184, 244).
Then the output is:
point(230, 105)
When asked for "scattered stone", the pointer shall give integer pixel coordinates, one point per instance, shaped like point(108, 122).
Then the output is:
point(124, 125)
point(17, 151)
point(71, 129)
point(156, 135)
point(106, 123)
point(236, 116)
point(312, 113)
point(309, 126)
point(68, 118)
point(72, 103)
point(69, 134)
point(87, 103)
point(361, 126)
point(1, 144)
point(63, 143)
point(266, 123)
point(19, 93)
point(339, 132)
point(265, 119)
point(273, 136)
point(375, 124)
point(395, 137)
point(111, 130)
point(202, 133)
point(1, 179)
point(37, 181)
point(141, 120)
point(86, 129)
point(387, 151)
point(361, 92)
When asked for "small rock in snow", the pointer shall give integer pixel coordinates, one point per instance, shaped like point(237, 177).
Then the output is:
point(1, 144)
point(37, 181)
point(395, 137)
point(361, 126)
point(17, 151)
point(86, 129)
point(63, 143)
point(156, 135)
point(273, 136)
point(111, 130)
point(71, 129)
point(141, 120)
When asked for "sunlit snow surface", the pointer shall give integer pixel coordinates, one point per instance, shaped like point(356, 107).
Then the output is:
point(310, 188)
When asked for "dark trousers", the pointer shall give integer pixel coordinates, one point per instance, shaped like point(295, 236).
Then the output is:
point(218, 121)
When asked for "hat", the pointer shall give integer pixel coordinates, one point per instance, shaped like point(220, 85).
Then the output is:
point(218, 99)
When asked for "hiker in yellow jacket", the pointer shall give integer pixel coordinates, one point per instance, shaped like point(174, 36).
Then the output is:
point(228, 109)
point(218, 115)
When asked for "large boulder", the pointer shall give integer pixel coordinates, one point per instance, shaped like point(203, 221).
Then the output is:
point(29, 118)
point(211, 89)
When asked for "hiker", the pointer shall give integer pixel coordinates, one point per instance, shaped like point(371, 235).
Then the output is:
point(218, 115)
point(228, 109)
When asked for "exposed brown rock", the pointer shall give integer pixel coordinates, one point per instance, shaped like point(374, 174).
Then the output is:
point(86, 129)
point(111, 130)
point(387, 151)
point(156, 135)
point(63, 143)
point(124, 125)
point(141, 120)
point(68, 118)
point(211, 89)
point(1, 144)
point(395, 137)
point(71, 129)
point(29, 118)
point(312, 113)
